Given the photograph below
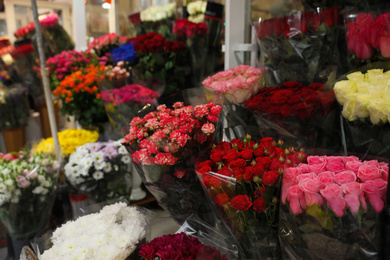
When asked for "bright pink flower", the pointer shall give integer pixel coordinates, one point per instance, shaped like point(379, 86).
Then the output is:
point(316, 159)
point(325, 178)
point(336, 166)
point(290, 174)
point(353, 166)
point(334, 198)
point(354, 196)
point(375, 191)
point(317, 168)
point(310, 175)
point(304, 168)
point(368, 172)
point(296, 198)
point(384, 46)
point(344, 177)
point(208, 128)
point(311, 187)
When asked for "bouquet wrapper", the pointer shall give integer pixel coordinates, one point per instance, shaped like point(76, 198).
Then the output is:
point(216, 237)
point(302, 46)
point(256, 240)
point(319, 234)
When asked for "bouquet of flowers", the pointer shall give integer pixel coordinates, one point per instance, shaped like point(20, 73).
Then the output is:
point(159, 62)
point(332, 208)
point(306, 115)
point(14, 107)
point(25, 32)
point(101, 170)
point(69, 140)
point(178, 246)
point(81, 97)
point(193, 34)
point(243, 179)
point(27, 186)
point(111, 234)
point(57, 39)
point(300, 47)
point(196, 11)
point(25, 59)
point(158, 19)
point(164, 146)
point(364, 98)
point(367, 38)
point(126, 102)
point(104, 44)
point(126, 54)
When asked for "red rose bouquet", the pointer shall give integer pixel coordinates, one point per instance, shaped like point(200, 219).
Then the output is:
point(306, 115)
point(243, 179)
point(178, 246)
point(332, 208)
point(301, 46)
point(164, 146)
point(159, 66)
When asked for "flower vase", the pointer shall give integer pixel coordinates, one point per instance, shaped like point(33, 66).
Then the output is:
point(14, 138)
point(137, 193)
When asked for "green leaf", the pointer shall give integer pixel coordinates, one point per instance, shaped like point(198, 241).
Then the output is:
point(168, 65)
point(322, 216)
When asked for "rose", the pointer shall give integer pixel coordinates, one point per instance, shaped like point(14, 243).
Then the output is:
point(290, 174)
point(265, 161)
point(317, 168)
point(344, 177)
point(376, 108)
point(368, 172)
point(310, 175)
point(248, 173)
point(221, 199)
point(237, 163)
point(354, 196)
point(384, 46)
point(335, 167)
point(231, 155)
point(311, 187)
point(316, 159)
point(217, 156)
point(334, 198)
point(259, 205)
point(325, 178)
point(296, 199)
point(258, 169)
point(270, 177)
point(304, 168)
point(353, 166)
point(247, 154)
point(281, 96)
point(241, 202)
point(375, 191)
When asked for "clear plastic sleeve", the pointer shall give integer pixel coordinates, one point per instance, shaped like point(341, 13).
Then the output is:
point(333, 207)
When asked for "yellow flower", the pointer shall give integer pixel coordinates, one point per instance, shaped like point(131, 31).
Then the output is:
point(374, 76)
point(343, 89)
point(356, 76)
point(69, 139)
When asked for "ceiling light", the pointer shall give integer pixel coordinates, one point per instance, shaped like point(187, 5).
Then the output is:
point(106, 5)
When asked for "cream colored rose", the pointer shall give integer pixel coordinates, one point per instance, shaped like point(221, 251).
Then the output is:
point(197, 7)
point(376, 108)
point(362, 87)
point(349, 110)
point(342, 89)
point(356, 76)
point(361, 104)
point(376, 91)
point(196, 18)
point(374, 76)
point(157, 13)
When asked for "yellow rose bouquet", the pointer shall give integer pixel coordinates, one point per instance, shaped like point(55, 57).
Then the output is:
point(365, 101)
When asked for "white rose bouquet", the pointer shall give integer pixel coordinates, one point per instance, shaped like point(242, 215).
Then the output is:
point(365, 101)
point(113, 233)
point(101, 170)
point(27, 186)
point(196, 11)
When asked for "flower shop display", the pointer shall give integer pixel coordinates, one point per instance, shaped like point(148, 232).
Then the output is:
point(367, 38)
point(102, 171)
point(164, 146)
point(332, 208)
point(113, 233)
point(159, 66)
point(126, 102)
point(69, 140)
point(178, 246)
point(27, 186)
point(243, 179)
point(25, 56)
point(104, 44)
point(300, 47)
point(306, 116)
point(81, 97)
point(14, 107)
point(364, 99)
point(196, 11)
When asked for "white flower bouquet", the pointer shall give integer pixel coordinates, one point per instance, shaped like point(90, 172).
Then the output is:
point(27, 186)
point(101, 170)
point(113, 233)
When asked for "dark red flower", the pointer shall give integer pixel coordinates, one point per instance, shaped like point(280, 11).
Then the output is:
point(241, 202)
point(221, 199)
point(237, 163)
point(247, 154)
point(217, 157)
point(270, 177)
point(259, 205)
point(281, 96)
point(231, 155)
point(265, 161)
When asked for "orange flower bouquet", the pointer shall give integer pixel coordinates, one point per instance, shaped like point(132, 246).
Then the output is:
point(81, 97)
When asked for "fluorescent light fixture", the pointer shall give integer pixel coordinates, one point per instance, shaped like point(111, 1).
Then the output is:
point(106, 5)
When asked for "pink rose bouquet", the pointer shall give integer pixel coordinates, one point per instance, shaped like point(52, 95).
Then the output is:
point(236, 85)
point(102, 45)
point(164, 146)
point(333, 202)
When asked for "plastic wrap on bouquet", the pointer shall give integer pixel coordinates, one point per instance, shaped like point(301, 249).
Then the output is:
point(164, 146)
point(303, 116)
point(126, 102)
point(333, 208)
point(14, 107)
point(365, 113)
point(28, 185)
point(102, 171)
point(243, 180)
point(300, 47)
point(58, 40)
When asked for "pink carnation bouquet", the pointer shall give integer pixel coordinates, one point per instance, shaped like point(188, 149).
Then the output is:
point(333, 202)
point(165, 145)
point(236, 85)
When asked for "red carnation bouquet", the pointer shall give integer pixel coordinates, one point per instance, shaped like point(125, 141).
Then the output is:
point(164, 146)
point(243, 179)
point(160, 65)
point(178, 246)
point(306, 115)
